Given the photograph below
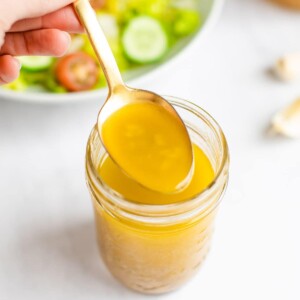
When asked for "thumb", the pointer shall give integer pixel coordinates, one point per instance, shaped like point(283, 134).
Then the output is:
point(35, 8)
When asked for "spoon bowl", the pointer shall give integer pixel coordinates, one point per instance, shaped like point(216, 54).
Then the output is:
point(124, 95)
point(150, 143)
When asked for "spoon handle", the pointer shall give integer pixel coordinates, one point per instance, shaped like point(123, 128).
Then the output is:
point(99, 42)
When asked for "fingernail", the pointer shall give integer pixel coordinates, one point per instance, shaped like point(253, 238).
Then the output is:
point(10, 74)
point(67, 37)
point(17, 63)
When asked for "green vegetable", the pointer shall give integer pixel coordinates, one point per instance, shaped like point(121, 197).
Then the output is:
point(19, 85)
point(53, 86)
point(187, 22)
point(36, 63)
point(35, 77)
point(145, 40)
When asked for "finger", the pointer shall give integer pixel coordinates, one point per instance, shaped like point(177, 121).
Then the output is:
point(9, 69)
point(37, 8)
point(38, 42)
point(64, 19)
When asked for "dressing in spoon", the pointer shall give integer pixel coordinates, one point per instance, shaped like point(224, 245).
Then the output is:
point(139, 129)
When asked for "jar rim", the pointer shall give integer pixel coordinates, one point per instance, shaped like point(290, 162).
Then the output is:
point(164, 209)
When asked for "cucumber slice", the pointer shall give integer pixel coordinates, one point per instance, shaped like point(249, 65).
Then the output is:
point(144, 40)
point(36, 63)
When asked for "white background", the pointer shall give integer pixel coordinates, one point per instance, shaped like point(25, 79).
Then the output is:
point(47, 244)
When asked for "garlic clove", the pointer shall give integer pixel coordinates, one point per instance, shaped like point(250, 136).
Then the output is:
point(287, 121)
point(287, 68)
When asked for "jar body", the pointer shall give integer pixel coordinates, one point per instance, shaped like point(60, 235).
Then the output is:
point(150, 259)
point(156, 249)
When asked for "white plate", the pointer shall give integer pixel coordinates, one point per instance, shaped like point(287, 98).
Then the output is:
point(210, 11)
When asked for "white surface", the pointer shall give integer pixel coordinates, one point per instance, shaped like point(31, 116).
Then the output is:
point(210, 10)
point(48, 250)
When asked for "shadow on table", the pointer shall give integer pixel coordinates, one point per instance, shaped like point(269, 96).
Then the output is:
point(66, 259)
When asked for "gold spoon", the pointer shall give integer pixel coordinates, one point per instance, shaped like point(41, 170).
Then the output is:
point(120, 96)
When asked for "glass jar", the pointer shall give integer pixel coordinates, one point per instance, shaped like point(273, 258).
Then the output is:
point(156, 248)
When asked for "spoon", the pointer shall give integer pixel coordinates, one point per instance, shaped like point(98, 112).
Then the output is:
point(140, 130)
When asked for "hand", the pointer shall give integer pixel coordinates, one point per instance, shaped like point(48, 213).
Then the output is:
point(33, 27)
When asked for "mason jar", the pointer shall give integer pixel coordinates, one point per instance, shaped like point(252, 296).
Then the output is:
point(156, 248)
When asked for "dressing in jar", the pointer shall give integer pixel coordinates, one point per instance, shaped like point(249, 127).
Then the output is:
point(152, 242)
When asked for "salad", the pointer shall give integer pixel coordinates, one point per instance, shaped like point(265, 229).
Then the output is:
point(140, 32)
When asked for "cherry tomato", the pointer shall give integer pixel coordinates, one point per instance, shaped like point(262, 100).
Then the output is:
point(77, 71)
point(97, 4)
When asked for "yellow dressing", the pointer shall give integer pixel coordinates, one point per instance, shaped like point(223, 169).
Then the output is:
point(128, 188)
point(151, 258)
point(150, 145)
